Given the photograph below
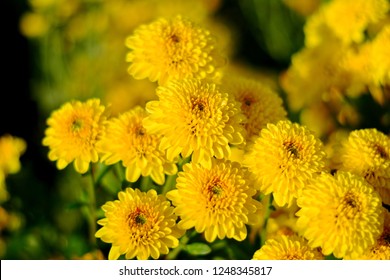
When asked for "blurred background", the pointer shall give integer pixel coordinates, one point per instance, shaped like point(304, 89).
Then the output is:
point(59, 50)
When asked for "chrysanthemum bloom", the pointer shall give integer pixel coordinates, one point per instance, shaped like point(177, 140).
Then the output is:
point(217, 201)
point(381, 249)
point(366, 152)
point(172, 49)
point(11, 148)
point(126, 140)
point(318, 118)
point(259, 103)
point(346, 20)
point(72, 133)
point(195, 118)
point(323, 62)
point(139, 225)
point(341, 214)
point(379, 59)
point(282, 221)
point(284, 158)
point(287, 247)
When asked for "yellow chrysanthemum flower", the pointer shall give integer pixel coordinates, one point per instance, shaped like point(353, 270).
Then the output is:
point(125, 95)
point(379, 59)
point(284, 158)
point(126, 140)
point(322, 62)
point(318, 118)
point(217, 201)
point(195, 118)
point(381, 249)
point(345, 20)
point(287, 247)
point(33, 25)
point(172, 49)
point(139, 225)
point(259, 103)
point(72, 133)
point(11, 148)
point(366, 152)
point(341, 214)
point(282, 221)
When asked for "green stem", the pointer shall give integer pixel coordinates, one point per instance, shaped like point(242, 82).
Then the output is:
point(182, 162)
point(91, 208)
point(170, 183)
point(146, 182)
point(172, 255)
point(268, 212)
point(104, 171)
point(120, 173)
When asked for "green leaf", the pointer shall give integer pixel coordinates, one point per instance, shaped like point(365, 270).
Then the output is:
point(76, 205)
point(197, 249)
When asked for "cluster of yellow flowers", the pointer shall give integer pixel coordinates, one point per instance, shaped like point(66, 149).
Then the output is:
point(346, 49)
point(11, 149)
point(224, 159)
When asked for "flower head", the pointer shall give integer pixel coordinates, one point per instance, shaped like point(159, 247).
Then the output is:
point(139, 225)
point(287, 247)
point(168, 49)
point(284, 158)
point(380, 64)
point(323, 62)
point(217, 201)
point(366, 152)
point(195, 118)
point(381, 248)
point(126, 140)
point(72, 133)
point(341, 214)
point(345, 20)
point(11, 148)
point(259, 103)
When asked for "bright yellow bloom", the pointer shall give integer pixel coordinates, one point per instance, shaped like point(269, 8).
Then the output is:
point(33, 25)
point(217, 201)
point(125, 95)
point(172, 49)
point(287, 247)
point(345, 20)
point(126, 140)
point(341, 214)
point(72, 133)
point(139, 225)
point(284, 158)
point(348, 19)
point(357, 61)
point(195, 118)
point(259, 103)
point(322, 62)
point(282, 221)
point(318, 118)
point(379, 59)
point(381, 249)
point(11, 148)
point(366, 152)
